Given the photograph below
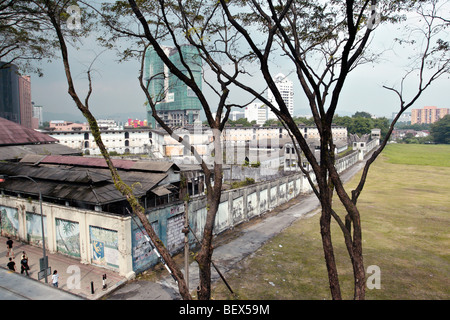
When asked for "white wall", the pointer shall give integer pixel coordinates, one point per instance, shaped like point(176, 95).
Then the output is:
point(85, 219)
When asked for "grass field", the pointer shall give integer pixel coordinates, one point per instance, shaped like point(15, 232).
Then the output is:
point(405, 211)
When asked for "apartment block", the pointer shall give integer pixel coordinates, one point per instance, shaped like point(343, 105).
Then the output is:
point(286, 89)
point(428, 114)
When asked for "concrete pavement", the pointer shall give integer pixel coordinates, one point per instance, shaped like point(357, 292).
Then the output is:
point(74, 277)
point(14, 286)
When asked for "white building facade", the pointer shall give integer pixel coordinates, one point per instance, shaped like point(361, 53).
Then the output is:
point(125, 141)
point(286, 88)
point(256, 112)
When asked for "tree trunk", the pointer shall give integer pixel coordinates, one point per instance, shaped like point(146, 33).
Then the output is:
point(359, 274)
point(204, 256)
point(119, 184)
point(325, 231)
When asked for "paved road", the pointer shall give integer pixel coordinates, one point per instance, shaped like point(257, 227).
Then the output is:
point(14, 286)
point(227, 255)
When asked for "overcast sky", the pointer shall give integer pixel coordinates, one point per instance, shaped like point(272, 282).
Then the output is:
point(116, 88)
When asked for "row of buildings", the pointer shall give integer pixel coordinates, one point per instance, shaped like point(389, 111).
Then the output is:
point(87, 218)
point(158, 144)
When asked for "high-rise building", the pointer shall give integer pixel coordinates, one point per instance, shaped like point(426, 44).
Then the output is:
point(176, 103)
point(15, 95)
point(9, 92)
point(256, 112)
point(286, 88)
point(26, 107)
point(38, 113)
point(428, 114)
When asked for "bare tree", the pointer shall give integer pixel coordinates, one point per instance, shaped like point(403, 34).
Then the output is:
point(324, 43)
point(338, 36)
point(54, 11)
point(161, 25)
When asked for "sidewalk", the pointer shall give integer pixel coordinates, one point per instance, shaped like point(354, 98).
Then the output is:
point(61, 263)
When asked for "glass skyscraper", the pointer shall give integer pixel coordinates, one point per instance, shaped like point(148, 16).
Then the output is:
point(176, 103)
point(9, 92)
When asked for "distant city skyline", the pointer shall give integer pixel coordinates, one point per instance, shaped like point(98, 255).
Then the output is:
point(116, 88)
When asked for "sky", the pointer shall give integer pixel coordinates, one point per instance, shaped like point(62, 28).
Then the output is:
point(116, 88)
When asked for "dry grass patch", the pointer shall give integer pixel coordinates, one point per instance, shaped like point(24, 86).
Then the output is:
point(405, 217)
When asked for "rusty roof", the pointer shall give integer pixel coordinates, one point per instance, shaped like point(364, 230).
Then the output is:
point(12, 133)
point(87, 185)
point(14, 152)
point(144, 165)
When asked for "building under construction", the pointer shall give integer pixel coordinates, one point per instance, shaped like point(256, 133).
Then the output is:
point(176, 103)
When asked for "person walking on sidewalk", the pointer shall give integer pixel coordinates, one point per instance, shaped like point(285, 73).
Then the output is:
point(24, 264)
point(55, 278)
point(9, 247)
point(11, 265)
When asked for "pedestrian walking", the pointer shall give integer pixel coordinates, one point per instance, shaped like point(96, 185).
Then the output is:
point(11, 265)
point(55, 278)
point(24, 265)
point(9, 248)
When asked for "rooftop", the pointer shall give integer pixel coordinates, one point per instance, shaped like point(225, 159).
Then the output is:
point(92, 186)
point(15, 134)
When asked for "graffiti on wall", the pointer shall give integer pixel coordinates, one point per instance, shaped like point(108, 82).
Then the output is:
point(143, 253)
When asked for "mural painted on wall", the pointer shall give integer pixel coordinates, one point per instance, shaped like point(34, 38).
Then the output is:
point(104, 244)
point(34, 229)
point(68, 237)
point(143, 253)
point(9, 221)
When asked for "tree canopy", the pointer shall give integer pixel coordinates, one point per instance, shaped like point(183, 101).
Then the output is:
point(440, 130)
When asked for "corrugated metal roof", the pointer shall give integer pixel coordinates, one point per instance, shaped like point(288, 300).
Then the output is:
point(88, 185)
point(147, 165)
point(161, 191)
point(10, 153)
point(12, 133)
